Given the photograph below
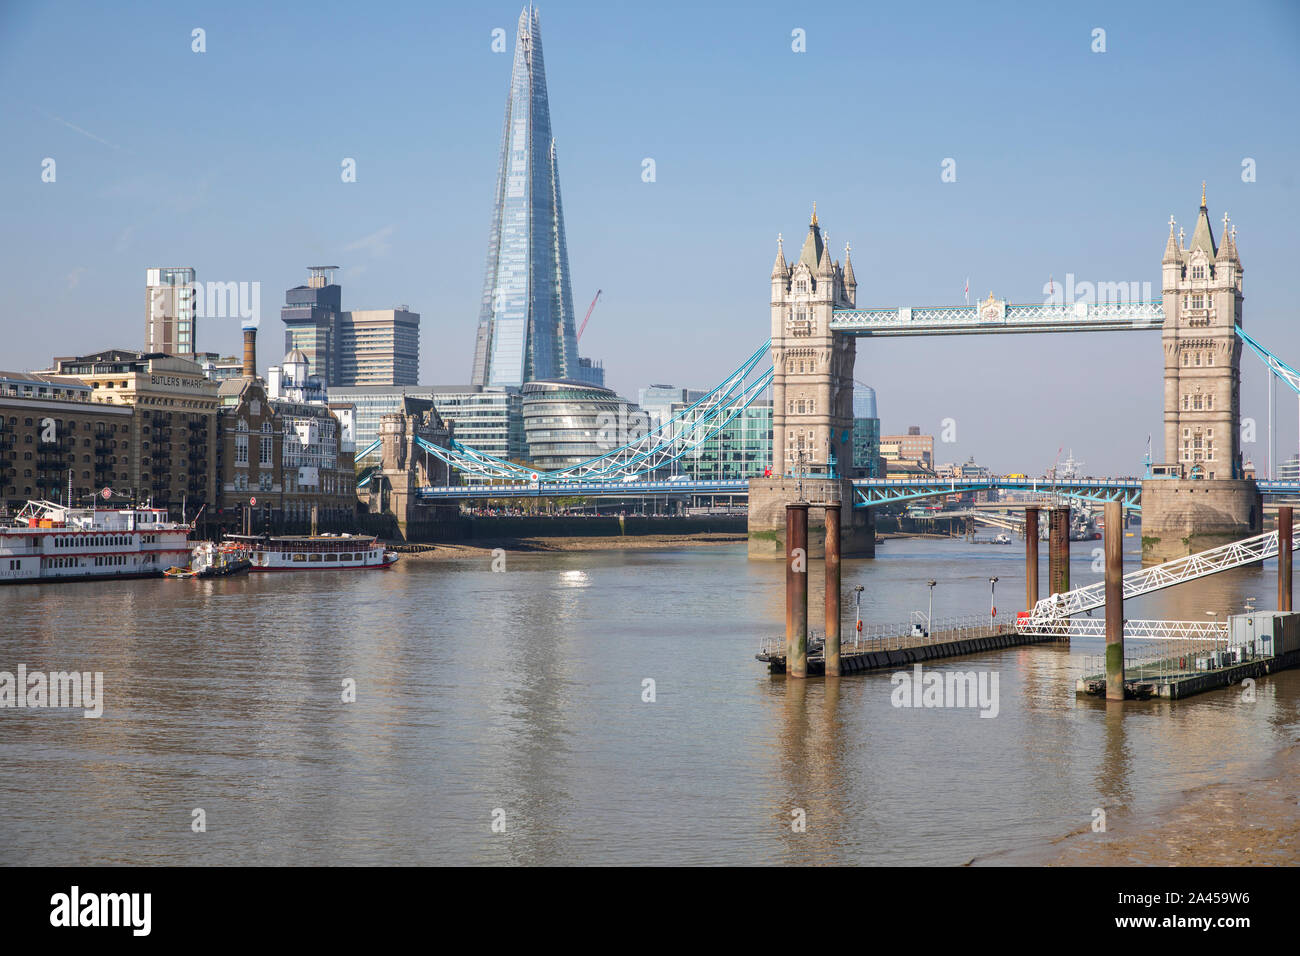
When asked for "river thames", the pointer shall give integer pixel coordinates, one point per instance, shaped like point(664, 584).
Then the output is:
point(517, 696)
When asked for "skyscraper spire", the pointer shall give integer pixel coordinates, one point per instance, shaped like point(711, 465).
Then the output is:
point(526, 327)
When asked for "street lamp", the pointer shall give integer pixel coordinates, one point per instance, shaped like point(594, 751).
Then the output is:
point(993, 607)
point(857, 610)
point(1215, 615)
point(929, 617)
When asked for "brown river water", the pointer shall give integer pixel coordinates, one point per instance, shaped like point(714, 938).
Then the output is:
point(516, 697)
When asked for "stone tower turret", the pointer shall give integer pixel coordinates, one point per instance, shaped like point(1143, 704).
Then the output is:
point(1202, 287)
point(812, 384)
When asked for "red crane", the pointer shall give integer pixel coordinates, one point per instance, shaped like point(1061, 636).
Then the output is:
point(587, 317)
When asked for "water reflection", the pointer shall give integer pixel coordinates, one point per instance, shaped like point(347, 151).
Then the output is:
point(525, 691)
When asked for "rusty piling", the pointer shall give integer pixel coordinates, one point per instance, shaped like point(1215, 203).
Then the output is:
point(1058, 549)
point(796, 589)
point(1284, 545)
point(832, 590)
point(1114, 601)
point(1031, 558)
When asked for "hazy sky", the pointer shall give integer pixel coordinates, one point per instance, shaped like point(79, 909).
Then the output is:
point(1067, 161)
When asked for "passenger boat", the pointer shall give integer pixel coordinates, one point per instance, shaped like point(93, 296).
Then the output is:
point(210, 560)
point(325, 552)
point(53, 542)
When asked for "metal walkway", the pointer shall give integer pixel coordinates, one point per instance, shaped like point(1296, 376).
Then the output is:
point(1136, 583)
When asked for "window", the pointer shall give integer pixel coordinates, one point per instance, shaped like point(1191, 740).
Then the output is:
point(1198, 272)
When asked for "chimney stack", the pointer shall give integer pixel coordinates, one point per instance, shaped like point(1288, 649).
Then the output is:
point(250, 352)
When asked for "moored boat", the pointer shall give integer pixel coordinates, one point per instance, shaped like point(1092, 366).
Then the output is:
point(325, 552)
point(211, 560)
point(54, 542)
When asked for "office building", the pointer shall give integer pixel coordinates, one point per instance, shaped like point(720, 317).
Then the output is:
point(171, 307)
point(526, 329)
point(910, 447)
point(866, 434)
point(289, 455)
point(172, 443)
point(378, 347)
point(566, 423)
point(488, 420)
point(742, 448)
point(50, 427)
point(311, 315)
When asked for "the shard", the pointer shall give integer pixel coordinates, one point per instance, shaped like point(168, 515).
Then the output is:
point(526, 329)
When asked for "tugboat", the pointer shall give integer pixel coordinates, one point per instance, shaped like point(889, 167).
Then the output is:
point(211, 560)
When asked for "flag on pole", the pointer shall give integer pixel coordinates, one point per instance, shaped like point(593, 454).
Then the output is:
point(966, 291)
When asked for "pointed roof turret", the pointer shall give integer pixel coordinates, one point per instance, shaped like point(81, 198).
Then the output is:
point(811, 254)
point(826, 267)
point(1228, 248)
point(1203, 235)
point(848, 267)
point(779, 269)
point(1171, 247)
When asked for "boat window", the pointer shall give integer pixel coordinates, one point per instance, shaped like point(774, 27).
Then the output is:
point(315, 557)
point(331, 557)
point(345, 557)
point(300, 557)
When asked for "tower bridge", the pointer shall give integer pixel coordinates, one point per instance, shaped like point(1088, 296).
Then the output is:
point(1197, 498)
point(1202, 497)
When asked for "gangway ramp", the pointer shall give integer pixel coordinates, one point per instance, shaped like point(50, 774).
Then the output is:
point(1237, 554)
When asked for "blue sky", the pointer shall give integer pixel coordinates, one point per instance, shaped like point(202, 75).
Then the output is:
point(1068, 161)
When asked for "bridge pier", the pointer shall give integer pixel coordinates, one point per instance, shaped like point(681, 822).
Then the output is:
point(768, 498)
point(832, 590)
point(1058, 549)
point(1181, 516)
point(1114, 547)
point(1284, 543)
point(1031, 558)
point(796, 589)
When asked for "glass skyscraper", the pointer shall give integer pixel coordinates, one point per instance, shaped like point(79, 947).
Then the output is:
point(526, 328)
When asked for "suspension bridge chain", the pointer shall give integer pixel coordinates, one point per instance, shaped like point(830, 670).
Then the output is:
point(658, 447)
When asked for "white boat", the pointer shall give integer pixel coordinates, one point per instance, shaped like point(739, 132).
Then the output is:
point(211, 560)
point(325, 552)
point(52, 542)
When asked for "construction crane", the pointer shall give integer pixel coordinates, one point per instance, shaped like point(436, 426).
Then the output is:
point(587, 317)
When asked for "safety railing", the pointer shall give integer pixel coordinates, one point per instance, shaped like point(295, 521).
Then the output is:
point(894, 636)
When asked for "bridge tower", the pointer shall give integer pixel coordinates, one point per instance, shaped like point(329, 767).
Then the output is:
point(405, 468)
point(1202, 302)
point(1200, 497)
point(812, 400)
point(812, 381)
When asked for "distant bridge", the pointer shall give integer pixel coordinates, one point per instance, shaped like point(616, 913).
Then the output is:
point(870, 492)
